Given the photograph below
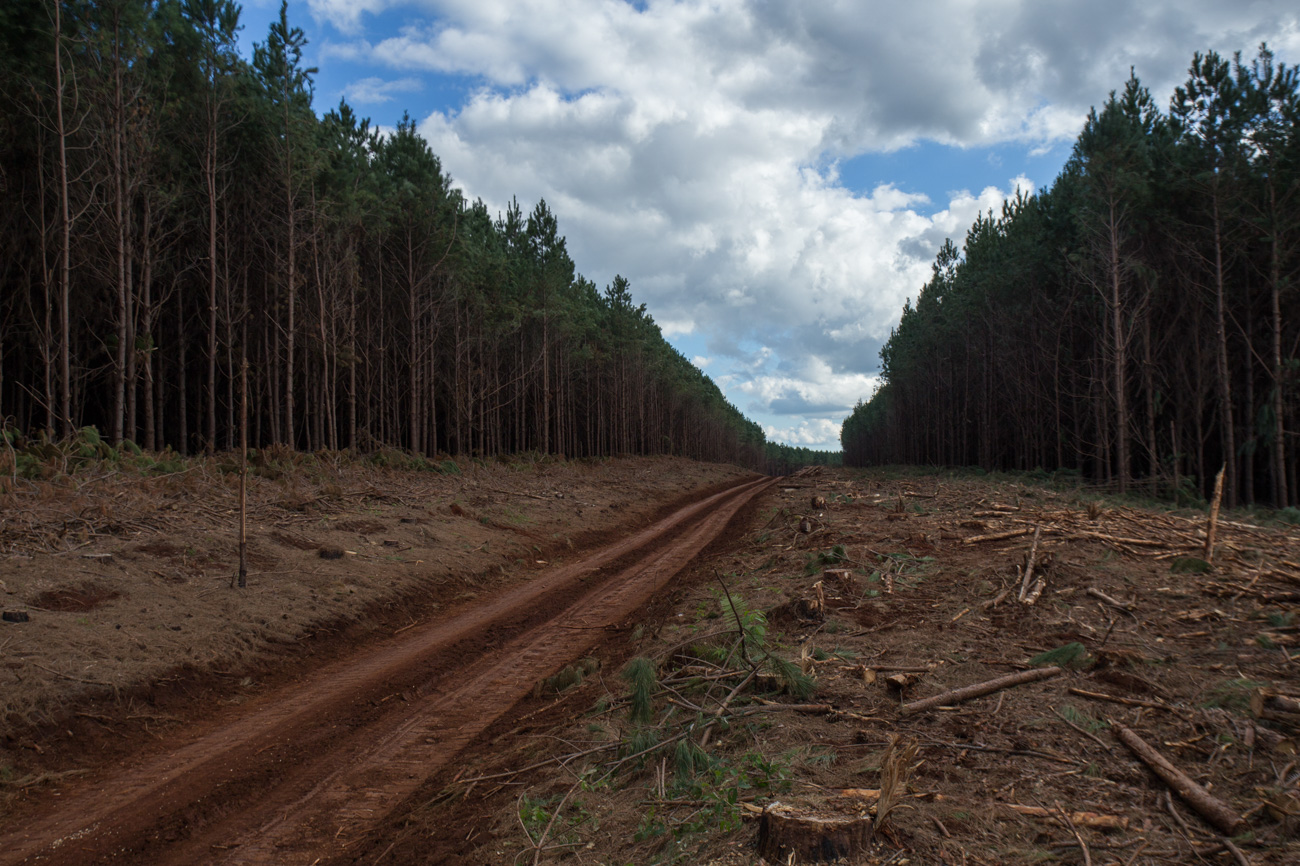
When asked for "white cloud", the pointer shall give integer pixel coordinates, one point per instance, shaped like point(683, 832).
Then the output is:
point(701, 361)
point(811, 387)
point(694, 147)
point(372, 90)
point(346, 14)
point(817, 433)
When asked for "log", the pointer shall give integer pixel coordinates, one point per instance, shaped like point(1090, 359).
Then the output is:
point(979, 690)
point(997, 536)
point(790, 835)
point(1218, 813)
point(1264, 700)
point(1095, 820)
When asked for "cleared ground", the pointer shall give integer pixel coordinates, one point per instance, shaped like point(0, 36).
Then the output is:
point(508, 737)
point(927, 601)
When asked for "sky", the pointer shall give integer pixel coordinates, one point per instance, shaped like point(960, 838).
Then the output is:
point(774, 177)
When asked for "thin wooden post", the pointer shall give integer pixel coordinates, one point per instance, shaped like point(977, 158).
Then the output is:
point(1213, 524)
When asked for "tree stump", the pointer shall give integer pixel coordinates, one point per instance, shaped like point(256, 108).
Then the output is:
point(842, 579)
point(789, 834)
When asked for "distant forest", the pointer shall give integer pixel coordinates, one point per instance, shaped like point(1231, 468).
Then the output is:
point(1136, 322)
point(170, 211)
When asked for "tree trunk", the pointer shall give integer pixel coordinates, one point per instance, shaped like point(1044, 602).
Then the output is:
point(1226, 432)
point(65, 237)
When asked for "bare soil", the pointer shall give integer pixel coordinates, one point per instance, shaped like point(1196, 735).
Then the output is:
point(922, 600)
point(470, 709)
point(125, 579)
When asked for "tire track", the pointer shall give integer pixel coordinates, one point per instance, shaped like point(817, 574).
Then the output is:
point(305, 771)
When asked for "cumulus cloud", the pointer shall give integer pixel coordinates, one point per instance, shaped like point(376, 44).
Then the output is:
point(695, 147)
point(372, 90)
point(819, 433)
point(346, 14)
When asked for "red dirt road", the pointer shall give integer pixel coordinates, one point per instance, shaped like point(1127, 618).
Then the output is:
point(298, 774)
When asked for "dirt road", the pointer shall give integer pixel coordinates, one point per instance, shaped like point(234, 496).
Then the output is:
point(296, 775)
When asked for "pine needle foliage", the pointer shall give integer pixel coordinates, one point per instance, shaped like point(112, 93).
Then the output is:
point(642, 739)
point(1072, 654)
point(641, 675)
point(795, 681)
point(688, 758)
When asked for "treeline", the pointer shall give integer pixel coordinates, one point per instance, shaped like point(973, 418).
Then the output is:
point(783, 459)
point(1135, 322)
point(170, 212)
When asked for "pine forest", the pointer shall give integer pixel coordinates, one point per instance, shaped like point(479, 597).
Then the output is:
point(180, 228)
point(1135, 323)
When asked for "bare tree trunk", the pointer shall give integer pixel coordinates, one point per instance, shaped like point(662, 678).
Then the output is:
point(290, 439)
point(184, 426)
point(1226, 433)
point(65, 236)
point(146, 303)
point(414, 374)
point(118, 133)
point(210, 184)
point(1280, 494)
point(1149, 393)
point(1120, 346)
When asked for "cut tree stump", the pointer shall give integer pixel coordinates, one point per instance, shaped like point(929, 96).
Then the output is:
point(788, 834)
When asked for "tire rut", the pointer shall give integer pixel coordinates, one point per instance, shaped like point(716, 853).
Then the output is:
point(301, 774)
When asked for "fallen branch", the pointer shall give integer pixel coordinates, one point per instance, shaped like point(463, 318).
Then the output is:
point(979, 690)
point(516, 493)
point(997, 536)
point(722, 708)
point(1218, 813)
point(1101, 596)
point(873, 794)
point(1116, 699)
point(1070, 824)
point(1119, 539)
point(1095, 820)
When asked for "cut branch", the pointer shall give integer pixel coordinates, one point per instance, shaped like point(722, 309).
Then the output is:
point(1116, 699)
point(1029, 568)
point(1095, 820)
point(1218, 813)
point(979, 690)
point(997, 536)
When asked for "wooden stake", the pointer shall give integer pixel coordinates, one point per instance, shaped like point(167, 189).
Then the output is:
point(1213, 523)
point(1218, 813)
point(979, 690)
point(1029, 567)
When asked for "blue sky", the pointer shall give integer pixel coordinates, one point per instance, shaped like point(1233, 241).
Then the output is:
point(774, 177)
